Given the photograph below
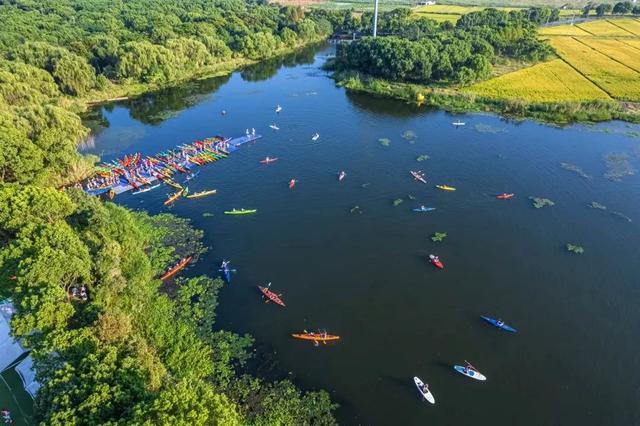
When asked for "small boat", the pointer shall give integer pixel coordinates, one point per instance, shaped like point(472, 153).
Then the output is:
point(315, 136)
point(145, 189)
point(505, 196)
point(459, 123)
point(341, 175)
point(470, 371)
point(419, 176)
point(498, 323)
point(241, 211)
point(226, 271)
point(424, 390)
point(436, 261)
point(424, 209)
point(278, 108)
point(176, 268)
point(445, 187)
point(202, 193)
point(271, 296)
point(268, 160)
point(292, 183)
point(172, 198)
point(316, 337)
point(191, 176)
point(274, 127)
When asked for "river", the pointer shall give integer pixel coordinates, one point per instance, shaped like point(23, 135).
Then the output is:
point(363, 274)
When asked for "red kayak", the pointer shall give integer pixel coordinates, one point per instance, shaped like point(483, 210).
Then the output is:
point(505, 196)
point(292, 183)
point(268, 160)
point(176, 268)
point(436, 261)
point(271, 296)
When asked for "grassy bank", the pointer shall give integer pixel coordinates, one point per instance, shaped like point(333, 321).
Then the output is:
point(459, 100)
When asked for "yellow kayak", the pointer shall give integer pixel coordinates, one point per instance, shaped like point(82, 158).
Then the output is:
point(202, 194)
point(445, 187)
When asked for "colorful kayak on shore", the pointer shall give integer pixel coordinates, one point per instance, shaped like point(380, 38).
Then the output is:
point(240, 211)
point(435, 260)
point(176, 268)
point(424, 390)
point(505, 196)
point(498, 323)
point(316, 337)
point(271, 296)
point(445, 187)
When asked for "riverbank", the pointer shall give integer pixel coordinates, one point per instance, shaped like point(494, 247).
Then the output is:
point(460, 100)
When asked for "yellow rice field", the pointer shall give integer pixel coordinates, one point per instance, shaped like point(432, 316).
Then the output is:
point(631, 25)
point(604, 28)
point(440, 17)
point(619, 81)
point(568, 30)
point(615, 49)
point(553, 81)
point(633, 43)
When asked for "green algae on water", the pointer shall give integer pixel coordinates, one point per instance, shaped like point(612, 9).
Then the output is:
point(438, 236)
point(486, 128)
point(574, 248)
point(423, 157)
point(384, 141)
point(409, 135)
point(411, 197)
point(397, 202)
point(575, 169)
point(598, 206)
point(618, 166)
point(539, 203)
point(207, 214)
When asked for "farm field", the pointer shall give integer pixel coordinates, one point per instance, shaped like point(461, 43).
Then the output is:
point(448, 12)
point(634, 43)
point(620, 81)
point(615, 49)
point(552, 81)
point(631, 25)
point(605, 28)
point(566, 30)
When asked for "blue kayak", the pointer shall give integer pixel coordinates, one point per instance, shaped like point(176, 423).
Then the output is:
point(424, 209)
point(498, 323)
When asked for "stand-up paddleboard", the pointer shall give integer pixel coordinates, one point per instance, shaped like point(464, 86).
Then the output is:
point(471, 372)
point(424, 390)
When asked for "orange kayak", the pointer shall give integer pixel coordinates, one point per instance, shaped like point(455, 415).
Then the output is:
point(173, 198)
point(177, 268)
point(505, 196)
point(316, 337)
point(271, 296)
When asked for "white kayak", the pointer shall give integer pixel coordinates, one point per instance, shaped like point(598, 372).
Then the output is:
point(424, 390)
point(474, 374)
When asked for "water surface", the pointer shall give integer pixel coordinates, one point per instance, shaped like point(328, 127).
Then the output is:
point(364, 275)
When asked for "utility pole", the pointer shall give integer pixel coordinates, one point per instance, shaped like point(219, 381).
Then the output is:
point(375, 19)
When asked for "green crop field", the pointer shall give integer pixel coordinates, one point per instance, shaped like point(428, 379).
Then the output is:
point(552, 81)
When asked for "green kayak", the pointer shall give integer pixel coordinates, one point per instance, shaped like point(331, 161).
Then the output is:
point(241, 211)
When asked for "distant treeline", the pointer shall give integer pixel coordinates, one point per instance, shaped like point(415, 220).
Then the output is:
point(620, 8)
point(424, 51)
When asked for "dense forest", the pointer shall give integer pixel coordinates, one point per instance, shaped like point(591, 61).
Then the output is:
point(133, 351)
point(424, 51)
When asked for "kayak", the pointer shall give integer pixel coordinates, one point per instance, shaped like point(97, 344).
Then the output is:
point(278, 108)
point(499, 324)
point(241, 211)
point(268, 160)
point(341, 175)
point(274, 127)
point(173, 198)
point(271, 296)
point(418, 176)
point(436, 261)
point(226, 271)
point(445, 187)
point(474, 374)
point(145, 189)
point(292, 183)
point(459, 123)
point(505, 196)
point(315, 137)
point(176, 268)
point(202, 193)
point(316, 337)
point(424, 209)
point(426, 393)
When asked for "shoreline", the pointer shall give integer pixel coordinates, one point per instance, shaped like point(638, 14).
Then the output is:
point(460, 101)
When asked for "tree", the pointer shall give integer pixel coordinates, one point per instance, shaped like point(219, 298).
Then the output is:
point(636, 10)
point(603, 9)
point(622, 7)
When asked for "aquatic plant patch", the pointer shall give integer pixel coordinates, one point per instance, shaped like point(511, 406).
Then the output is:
point(539, 203)
point(618, 166)
point(384, 141)
point(575, 248)
point(423, 157)
point(575, 169)
point(438, 237)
